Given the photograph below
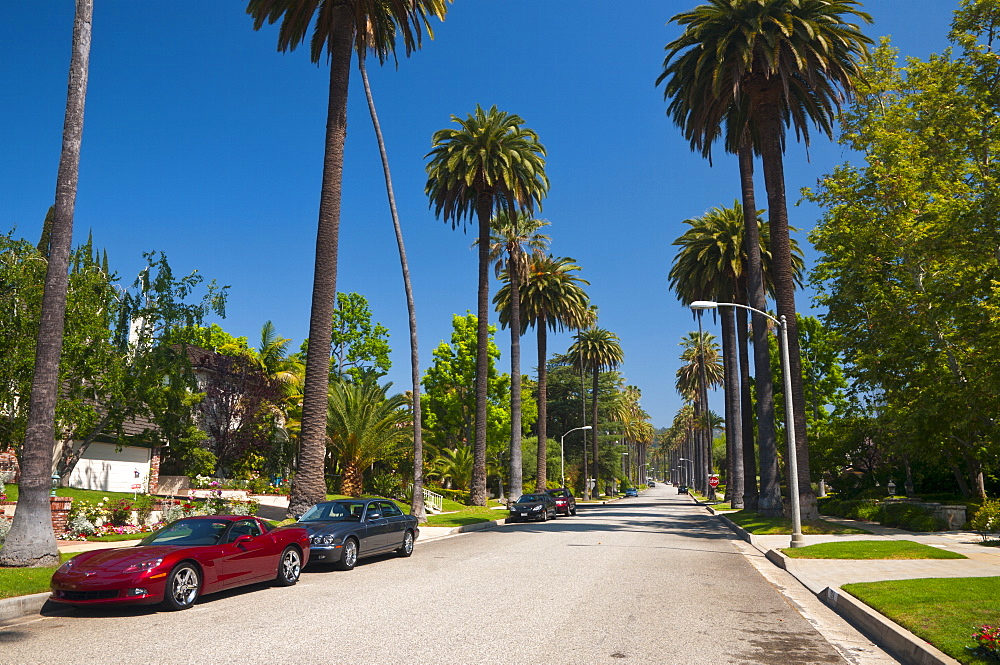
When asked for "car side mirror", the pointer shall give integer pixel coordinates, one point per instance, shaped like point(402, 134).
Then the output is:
point(242, 538)
point(374, 516)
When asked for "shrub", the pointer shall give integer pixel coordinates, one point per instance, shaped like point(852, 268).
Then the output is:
point(79, 525)
point(386, 484)
point(120, 512)
point(93, 512)
point(4, 528)
point(143, 507)
point(460, 496)
point(986, 521)
point(910, 517)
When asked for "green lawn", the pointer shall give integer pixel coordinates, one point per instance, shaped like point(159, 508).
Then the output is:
point(467, 515)
point(26, 581)
point(774, 526)
point(83, 495)
point(870, 549)
point(942, 611)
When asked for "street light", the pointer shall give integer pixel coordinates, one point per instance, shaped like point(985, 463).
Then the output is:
point(793, 467)
point(688, 477)
point(562, 455)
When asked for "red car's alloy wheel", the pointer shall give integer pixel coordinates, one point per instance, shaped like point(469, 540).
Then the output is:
point(182, 587)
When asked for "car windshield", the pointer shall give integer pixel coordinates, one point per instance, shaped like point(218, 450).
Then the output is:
point(188, 532)
point(530, 498)
point(335, 511)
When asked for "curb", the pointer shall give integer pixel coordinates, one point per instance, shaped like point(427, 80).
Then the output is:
point(889, 635)
point(21, 606)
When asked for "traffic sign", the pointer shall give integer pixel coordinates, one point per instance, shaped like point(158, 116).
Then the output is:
point(713, 481)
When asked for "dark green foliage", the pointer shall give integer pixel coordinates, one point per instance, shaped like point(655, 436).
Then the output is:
point(910, 517)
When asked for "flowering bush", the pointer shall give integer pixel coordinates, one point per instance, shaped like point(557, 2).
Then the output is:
point(79, 525)
point(94, 513)
point(988, 638)
point(180, 509)
point(219, 505)
point(120, 511)
point(4, 528)
point(987, 519)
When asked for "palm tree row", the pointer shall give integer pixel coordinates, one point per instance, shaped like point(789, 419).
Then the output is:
point(744, 71)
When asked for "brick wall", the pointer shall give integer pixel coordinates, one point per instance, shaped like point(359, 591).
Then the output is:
point(154, 472)
point(60, 513)
point(8, 462)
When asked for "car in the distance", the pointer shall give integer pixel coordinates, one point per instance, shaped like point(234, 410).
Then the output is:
point(565, 501)
point(537, 507)
point(345, 530)
point(682, 489)
point(187, 558)
point(652, 484)
point(631, 491)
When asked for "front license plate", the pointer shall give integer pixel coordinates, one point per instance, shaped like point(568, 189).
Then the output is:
point(524, 514)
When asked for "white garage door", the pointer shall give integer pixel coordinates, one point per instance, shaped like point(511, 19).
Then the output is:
point(105, 469)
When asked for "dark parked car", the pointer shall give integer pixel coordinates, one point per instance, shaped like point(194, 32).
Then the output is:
point(565, 502)
point(631, 491)
point(683, 489)
point(183, 560)
point(343, 531)
point(652, 484)
point(538, 507)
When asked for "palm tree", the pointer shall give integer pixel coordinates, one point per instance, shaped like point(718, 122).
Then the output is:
point(491, 163)
point(417, 497)
point(514, 241)
point(31, 541)
point(454, 466)
point(713, 264)
point(337, 29)
point(551, 299)
point(757, 66)
point(595, 349)
point(701, 371)
point(364, 427)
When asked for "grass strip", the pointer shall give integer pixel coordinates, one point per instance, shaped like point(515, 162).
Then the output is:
point(26, 581)
point(776, 526)
point(943, 612)
point(468, 515)
point(870, 549)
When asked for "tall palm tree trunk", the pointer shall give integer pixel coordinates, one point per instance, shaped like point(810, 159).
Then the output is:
point(516, 467)
point(746, 412)
point(417, 499)
point(769, 497)
point(309, 485)
point(583, 413)
point(31, 541)
point(734, 425)
point(784, 289)
point(541, 334)
point(478, 488)
point(593, 420)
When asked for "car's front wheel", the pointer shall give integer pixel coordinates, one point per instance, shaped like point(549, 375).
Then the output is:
point(183, 584)
point(573, 511)
point(289, 567)
point(349, 557)
point(406, 549)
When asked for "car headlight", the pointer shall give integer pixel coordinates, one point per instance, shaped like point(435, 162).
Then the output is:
point(537, 508)
point(324, 539)
point(143, 566)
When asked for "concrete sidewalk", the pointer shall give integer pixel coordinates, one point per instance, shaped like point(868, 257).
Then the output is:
point(825, 577)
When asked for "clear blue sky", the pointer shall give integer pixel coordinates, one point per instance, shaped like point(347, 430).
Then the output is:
point(203, 142)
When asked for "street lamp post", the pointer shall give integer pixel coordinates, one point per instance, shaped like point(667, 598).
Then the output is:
point(793, 467)
point(624, 469)
point(562, 454)
point(688, 477)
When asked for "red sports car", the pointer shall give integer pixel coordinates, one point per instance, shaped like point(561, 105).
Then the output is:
point(184, 559)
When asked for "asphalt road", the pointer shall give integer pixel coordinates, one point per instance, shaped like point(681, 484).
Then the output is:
point(652, 579)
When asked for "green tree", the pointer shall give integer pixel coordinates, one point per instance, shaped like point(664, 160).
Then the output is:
point(364, 427)
point(31, 541)
point(515, 240)
point(911, 282)
point(360, 349)
point(551, 299)
point(491, 163)
point(784, 63)
point(337, 29)
point(593, 350)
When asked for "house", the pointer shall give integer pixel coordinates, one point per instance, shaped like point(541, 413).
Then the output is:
point(110, 467)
